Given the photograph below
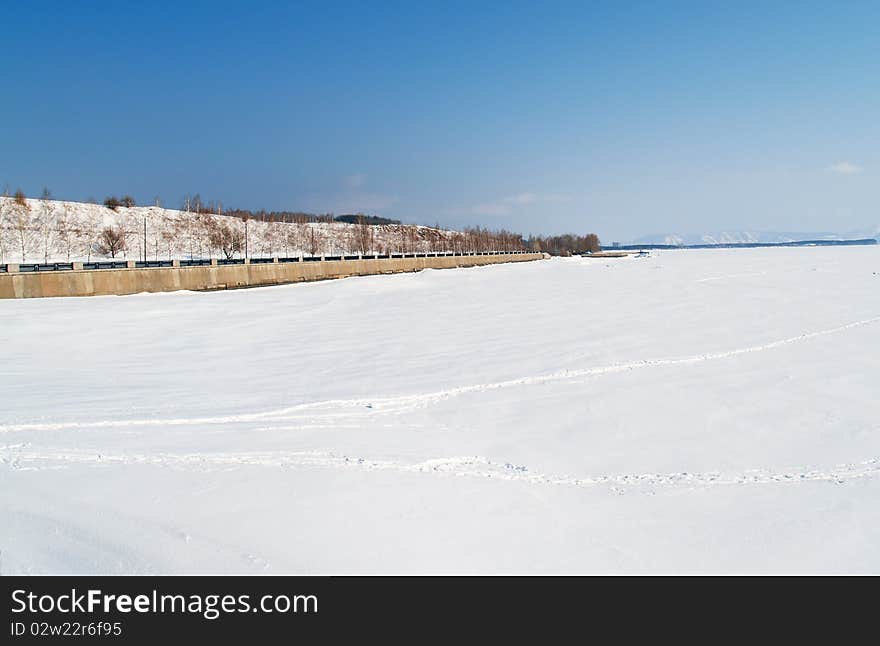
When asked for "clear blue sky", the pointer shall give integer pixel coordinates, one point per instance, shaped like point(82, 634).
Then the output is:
point(540, 117)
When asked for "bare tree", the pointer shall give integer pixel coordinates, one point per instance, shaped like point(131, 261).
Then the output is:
point(46, 226)
point(564, 245)
point(227, 239)
point(268, 238)
point(22, 223)
point(314, 240)
point(169, 237)
point(4, 225)
point(410, 239)
point(88, 229)
point(111, 241)
point(67, 229)
point(189, 224)
point(289, 237)
point(363, 236)
point(129, 228)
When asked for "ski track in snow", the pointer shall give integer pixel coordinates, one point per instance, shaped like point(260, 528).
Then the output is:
point(725, 276)
point(402, 403)
point(21, 457)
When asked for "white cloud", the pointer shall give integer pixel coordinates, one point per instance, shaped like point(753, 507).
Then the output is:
point(490, 208)
point(355, 181)
point(522, 198)
point(354, 197)
point(506, 205)
point(369, 203)
point(845, 168)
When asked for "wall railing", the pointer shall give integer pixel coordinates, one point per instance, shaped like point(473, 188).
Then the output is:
point(204, 262)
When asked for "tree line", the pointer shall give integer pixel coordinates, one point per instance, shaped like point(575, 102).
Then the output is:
point(564, 245)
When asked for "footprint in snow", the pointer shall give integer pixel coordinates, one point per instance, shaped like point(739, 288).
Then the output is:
point(257, 561)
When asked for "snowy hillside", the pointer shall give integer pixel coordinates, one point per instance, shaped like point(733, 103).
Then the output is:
point(56, 231)
point(698, 411)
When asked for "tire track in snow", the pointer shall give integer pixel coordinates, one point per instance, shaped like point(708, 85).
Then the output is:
point(22, 458)
point(405, 402)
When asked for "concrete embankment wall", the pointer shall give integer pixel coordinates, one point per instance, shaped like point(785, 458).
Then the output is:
point(103, 282)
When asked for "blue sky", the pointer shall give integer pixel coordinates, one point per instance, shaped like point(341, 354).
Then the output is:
point(539, 117)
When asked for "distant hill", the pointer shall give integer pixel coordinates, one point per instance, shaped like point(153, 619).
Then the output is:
point(734, 245)
point(742, 237)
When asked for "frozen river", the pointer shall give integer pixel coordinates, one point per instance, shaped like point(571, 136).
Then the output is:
point(694, 411)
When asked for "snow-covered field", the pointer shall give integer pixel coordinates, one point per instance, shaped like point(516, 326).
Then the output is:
point(695, 411)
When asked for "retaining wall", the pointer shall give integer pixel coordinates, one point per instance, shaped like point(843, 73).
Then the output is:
point(102, 282)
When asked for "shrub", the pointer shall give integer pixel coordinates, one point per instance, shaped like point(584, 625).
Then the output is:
point(112, 203)
point(127, 201)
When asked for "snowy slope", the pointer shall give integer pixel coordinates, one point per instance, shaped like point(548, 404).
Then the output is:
point(58, 231)
point(694, 411)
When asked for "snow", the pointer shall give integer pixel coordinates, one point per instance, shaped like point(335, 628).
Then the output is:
point(693, 411)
